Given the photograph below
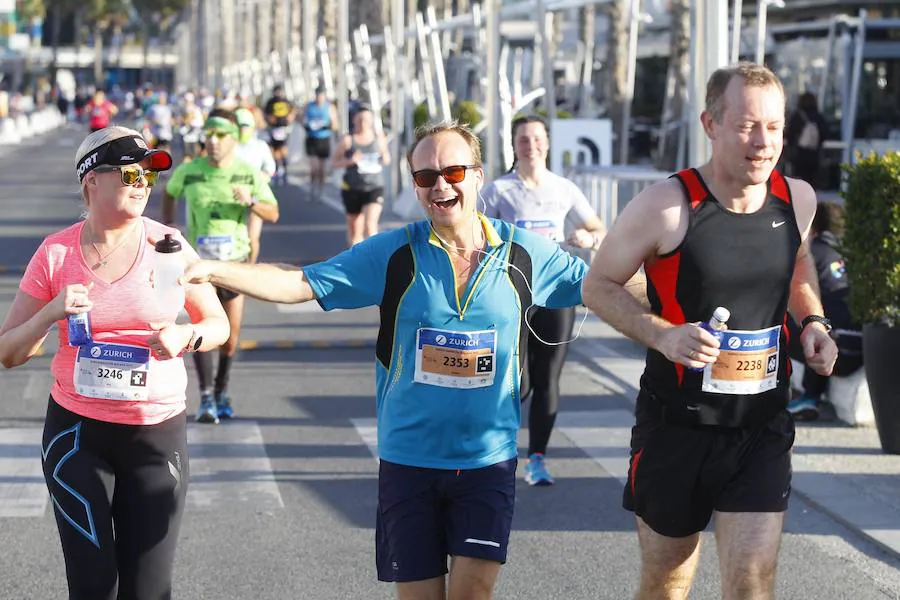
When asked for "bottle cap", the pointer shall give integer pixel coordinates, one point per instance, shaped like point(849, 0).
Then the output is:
point(168, 245)
point(721, 314)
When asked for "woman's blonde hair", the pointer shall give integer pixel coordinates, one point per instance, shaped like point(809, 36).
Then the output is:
point(97, 139)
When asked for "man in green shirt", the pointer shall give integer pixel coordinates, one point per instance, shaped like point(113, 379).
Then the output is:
point(221, 192)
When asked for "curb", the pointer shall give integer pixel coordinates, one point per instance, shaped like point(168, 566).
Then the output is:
point(886, 546)
point(253, 345)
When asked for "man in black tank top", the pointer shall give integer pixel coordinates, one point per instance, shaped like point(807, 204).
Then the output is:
point(712, 433)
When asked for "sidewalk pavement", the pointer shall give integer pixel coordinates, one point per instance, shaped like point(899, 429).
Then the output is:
point(837, 468)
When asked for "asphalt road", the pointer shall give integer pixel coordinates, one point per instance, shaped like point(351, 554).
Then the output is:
point(282, 499)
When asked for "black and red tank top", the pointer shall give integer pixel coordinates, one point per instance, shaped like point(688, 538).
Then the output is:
point(743, 262)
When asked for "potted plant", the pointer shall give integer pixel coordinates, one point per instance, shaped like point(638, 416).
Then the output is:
point(871, 249)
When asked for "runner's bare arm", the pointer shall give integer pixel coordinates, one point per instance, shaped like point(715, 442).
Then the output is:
point(285, 284)
point(335, 125)
point(265, 211)
point(819, 350)
point(804, 298)
point(339, 159)
point(24, 330)
point(648, 226)
point(385, 150)
point(590, 234)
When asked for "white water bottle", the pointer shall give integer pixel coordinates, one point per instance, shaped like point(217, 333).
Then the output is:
point(718, 322)
point(167, 269)
point(716, 325)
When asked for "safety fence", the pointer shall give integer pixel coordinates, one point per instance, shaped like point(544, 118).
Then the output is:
point(608, 189)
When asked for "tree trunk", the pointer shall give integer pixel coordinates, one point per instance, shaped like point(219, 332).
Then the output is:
point(145, 46)
point(78, 20)
point(587, 34)
point(617, 67)
point(98, 56)
point(263, 29)
point(329, 29)
point(675, 103)
point(296, 23)
point(278, 29)
point(55, 25)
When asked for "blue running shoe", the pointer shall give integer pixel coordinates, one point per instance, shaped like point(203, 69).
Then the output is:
point(207, 411)
point(803, 408)
point(536, 472)
point(223, 406)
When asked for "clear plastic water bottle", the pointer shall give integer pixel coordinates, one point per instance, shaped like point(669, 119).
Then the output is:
point(79, 329)
point(717, 323)
point(167, 269)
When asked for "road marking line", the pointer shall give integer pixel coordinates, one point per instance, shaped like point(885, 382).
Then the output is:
point(604, 435)
point(23, 492)
point(368, 433)
point(229, 465)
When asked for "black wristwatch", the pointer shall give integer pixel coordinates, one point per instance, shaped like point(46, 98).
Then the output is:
point(816, 319)
point(194, 343)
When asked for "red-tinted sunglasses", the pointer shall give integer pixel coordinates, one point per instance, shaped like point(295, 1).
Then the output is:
point(453, 174)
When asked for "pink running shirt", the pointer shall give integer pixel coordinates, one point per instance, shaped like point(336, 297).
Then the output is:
point(121, 315)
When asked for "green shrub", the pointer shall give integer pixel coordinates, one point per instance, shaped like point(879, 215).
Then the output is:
point(420, 115)
point(871, 242)
point(542, 112)
point(466, 112)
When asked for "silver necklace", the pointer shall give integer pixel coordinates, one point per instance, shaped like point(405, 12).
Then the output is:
point(104, 260)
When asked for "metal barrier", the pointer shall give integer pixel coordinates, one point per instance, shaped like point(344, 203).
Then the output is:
point(604, 187)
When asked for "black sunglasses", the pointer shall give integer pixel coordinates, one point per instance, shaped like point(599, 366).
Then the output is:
point(452, 174)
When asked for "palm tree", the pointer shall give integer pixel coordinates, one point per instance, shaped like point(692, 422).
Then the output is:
point(157, 18)
point(58, 9)
point(102, 13)
point(675, 103)
point(587, 36)
point(278, 32)
point(616, 63)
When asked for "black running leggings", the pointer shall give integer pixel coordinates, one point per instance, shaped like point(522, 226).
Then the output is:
point(118, 492)
point(545, 364)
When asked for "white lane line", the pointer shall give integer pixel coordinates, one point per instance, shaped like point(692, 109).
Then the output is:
point(368, 433)
point(229, 465)
point(604, 435)
point(23, 492)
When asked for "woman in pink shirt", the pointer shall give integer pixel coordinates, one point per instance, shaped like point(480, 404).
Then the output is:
point(115, 442)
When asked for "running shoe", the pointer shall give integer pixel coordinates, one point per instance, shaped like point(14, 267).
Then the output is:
point(207, 412)
point(536, 472)
point(804, 408)
point(223, 406)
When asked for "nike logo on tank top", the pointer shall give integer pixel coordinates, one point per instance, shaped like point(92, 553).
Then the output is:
point(743, 262)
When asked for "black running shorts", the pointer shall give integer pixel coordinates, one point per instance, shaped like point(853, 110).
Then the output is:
point(679, 474)
point(354, 200)
point(318, 147)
